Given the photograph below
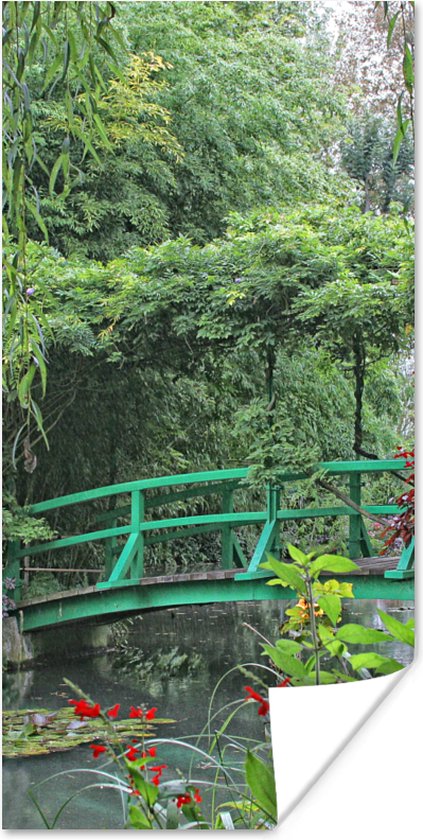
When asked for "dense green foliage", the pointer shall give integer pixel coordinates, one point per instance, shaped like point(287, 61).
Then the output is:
point(367, 157)
point(245, 101)
point(211, 293)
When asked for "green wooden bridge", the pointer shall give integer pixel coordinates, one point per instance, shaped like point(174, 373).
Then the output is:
point(124, 588)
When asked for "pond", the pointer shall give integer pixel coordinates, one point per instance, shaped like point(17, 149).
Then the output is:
point(171, 659)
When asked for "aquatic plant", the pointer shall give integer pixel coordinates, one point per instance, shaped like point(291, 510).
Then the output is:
point(151, 801)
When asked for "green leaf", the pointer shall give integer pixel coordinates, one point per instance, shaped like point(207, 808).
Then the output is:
point(402, 632)
point(261, 781)
point(35, 410)
point(332, 563)
point(41, 364)
point(297, 555)
point(148, 791)
point(52, 71)
point(399, 110)
point(39, 220)
point(341, 677)
point(285, 662)
point(326, 677)
point(25, 385)
point(398, 140)
point(54, 173)
point(355, 634)
point(326, 636)
point(408, 70)
point(102, 131)
point(382, 664)
point(289, 646)
point(391, 28)
point(287, 573)
point(331, 605)
point(137, 818)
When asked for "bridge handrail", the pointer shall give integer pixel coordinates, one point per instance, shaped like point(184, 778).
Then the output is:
point(141, 484)
point(225, 482)
point(330, 467)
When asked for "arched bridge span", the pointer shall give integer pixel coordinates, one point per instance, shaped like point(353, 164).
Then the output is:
point(142, 513)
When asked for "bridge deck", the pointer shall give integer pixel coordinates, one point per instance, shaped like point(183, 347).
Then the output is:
point(92, 604)
point(368, 566)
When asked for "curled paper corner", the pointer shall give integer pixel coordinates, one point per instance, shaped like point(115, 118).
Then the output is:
point(311, 726)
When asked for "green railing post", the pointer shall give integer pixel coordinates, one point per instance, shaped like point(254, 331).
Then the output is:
point(227, 536)
point(110, 547)
point(359, 544)
point(405, 568)
point(273, 503)
point(354, 538)
point(137, 517)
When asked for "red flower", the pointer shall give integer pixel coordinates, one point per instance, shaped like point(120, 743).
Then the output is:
point(183, 800)
point(158, 771)
point(197, 796)
point(135, 712)
point(151, 714)
point(131, 753)
point(284, 683)
point(84, 709)
point(97, 749)
point(253, 695)
point(113, 712)
point(152, 752)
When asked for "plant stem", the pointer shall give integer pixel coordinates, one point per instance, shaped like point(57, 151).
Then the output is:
point(313, 626)
point(250, 627)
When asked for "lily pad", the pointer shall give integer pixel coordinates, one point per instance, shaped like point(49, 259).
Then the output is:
point(29, 732)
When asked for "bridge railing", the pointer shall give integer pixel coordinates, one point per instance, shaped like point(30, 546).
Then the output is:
point(126, 566)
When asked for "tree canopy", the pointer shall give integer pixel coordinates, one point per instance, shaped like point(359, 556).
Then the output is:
point(209, 256)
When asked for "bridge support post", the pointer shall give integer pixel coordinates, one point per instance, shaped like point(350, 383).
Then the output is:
point(405, 568)
point(137, 517)
point(359, 544)
point(110, 547)
point(273, 504)
point(227, 536)
point(269, 538)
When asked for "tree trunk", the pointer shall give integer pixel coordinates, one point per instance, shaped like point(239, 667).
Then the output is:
point(359, 371)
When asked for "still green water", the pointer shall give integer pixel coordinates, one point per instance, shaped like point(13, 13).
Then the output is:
point(211, 638)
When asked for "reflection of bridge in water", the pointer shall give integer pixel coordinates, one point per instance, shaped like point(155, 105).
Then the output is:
point(125, 589)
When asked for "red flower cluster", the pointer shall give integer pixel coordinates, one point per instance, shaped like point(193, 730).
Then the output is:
point(132, 753)
point(93, 710)
point(253, 695)
point(401, 526)
point(84, 709)
point(113, 712)
point(185, 799)
point(137, 712)
point(97, 749)
point(152, 752)
point(158, 771)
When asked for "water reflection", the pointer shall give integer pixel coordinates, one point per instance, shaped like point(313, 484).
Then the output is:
point(214, 635)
